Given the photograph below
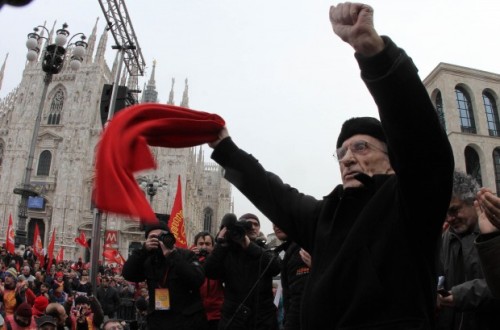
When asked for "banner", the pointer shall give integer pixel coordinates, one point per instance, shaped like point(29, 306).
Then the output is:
point(112, 255)
point(82, 240)
point(60, 255)
point(9, 241)
point(37, 243)
point(50, 252)
point(176, 220)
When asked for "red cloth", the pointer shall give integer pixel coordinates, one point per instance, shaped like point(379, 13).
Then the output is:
point(123, 150)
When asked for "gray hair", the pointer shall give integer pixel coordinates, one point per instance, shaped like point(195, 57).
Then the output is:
point(465, 187)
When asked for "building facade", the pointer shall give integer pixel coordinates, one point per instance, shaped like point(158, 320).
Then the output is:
point(64, 159)
point(467, 102)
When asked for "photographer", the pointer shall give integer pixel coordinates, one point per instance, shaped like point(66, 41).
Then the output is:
point(246, 267)
point(211, 291)
point(173, 276)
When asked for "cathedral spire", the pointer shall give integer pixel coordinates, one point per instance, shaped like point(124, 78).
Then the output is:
point(2, 70)
point(101, 48)
point(152, 78)
point(185, 97)
point(91, 43)
point(51, 33)
point(171, 95)
point(150, 94)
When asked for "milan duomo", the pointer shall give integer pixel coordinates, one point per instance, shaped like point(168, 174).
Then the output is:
point(64, 158)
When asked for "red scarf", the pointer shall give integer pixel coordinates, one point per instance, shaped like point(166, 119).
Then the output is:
point(123, 150)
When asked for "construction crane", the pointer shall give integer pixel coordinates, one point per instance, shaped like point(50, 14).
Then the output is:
point(129, 52)
point(116, 15)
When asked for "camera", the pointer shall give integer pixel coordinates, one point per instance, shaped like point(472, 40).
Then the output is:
point(236, 230)
point(202, 252)
point(168, 239)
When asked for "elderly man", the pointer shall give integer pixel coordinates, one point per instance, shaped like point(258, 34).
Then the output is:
point(374, 254)
point(466, 302)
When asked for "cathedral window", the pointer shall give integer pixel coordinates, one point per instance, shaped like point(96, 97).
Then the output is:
point(207, 219)
point(56, 108)
point(465, 110)
point(2, 148)
point(490, 107)
point(44, 163)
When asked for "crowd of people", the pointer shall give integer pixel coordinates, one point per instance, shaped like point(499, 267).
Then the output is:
point(363, 257)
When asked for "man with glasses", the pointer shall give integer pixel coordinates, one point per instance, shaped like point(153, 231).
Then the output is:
point(374, 238)
point(465, 301)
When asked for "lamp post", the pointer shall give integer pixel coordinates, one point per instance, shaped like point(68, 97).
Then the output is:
point(53, 58)
point(150, 187)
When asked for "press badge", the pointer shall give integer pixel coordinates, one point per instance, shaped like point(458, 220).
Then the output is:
point(162, 299)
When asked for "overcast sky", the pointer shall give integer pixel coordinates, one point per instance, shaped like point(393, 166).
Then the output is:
point(273, 70)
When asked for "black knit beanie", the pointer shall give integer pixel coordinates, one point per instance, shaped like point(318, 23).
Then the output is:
point(249, 216)
point(361, 125)
point(159, 225)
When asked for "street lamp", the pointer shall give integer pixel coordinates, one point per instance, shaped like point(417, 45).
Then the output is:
point(53, 58)
point(150, 187)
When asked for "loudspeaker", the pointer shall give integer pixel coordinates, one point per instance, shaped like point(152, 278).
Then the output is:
point(121, 101)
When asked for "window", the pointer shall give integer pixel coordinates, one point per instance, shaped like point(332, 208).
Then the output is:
point(2, 148)
point(44, 163)
point(490, 107)
point(439, 110)
point(465, 111)
point(496, 165)
point(207, 219)
point(56, 108)
point(472, 164)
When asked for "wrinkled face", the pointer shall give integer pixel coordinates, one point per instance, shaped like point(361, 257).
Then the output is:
point(279, 234)
point(205, 242)
point(254, 232)
point(371, 159)
point(461, 216)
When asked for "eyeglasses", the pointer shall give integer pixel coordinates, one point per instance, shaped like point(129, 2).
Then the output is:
point(359, 147)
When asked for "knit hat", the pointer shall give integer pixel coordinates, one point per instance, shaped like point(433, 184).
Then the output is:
point(39, 305)
point(361, 125)
point(158, 225)
point(24, 310)
point(46, 319)
point(13, 272)
point(247, 216)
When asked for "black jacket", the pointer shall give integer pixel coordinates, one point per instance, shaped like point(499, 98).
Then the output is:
point(109, 299)
point(240, 270)
point(488, 248)
point(294, 274)
point(183, 277)
point(475, 308)
point(374, 249)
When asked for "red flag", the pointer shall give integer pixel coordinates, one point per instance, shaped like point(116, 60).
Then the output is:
point(176, 220)
point(82, 240)
point(60, 255)
point(9, 242)
point(50, 252)
point(113, 255)
point(37, 243)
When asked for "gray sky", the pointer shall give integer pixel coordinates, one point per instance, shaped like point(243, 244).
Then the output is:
point(273, 70)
